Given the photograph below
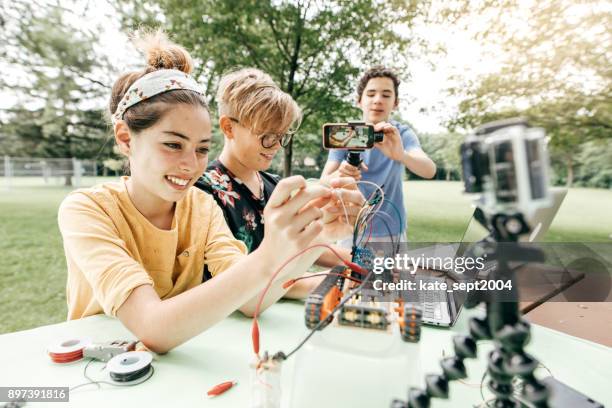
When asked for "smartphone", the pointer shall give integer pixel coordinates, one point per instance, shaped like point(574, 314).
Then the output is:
point(353, 136)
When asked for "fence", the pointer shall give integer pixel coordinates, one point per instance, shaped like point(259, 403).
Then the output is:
point(31, 171)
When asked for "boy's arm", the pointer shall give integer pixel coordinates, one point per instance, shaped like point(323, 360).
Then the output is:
point(417, 161)
point(409, 153)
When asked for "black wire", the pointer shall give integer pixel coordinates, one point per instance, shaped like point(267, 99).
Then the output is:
point(149, 368)
point(86, 376)
point(353, 292)
point(359, 222)
point(342, 302)
point(369, 217)
point(366, 220)
point(127, 377)
point(484, 375)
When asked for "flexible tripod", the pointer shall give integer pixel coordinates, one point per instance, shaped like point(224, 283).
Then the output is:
point(503, 324)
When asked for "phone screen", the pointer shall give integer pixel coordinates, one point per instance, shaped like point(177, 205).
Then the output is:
point(344, 136)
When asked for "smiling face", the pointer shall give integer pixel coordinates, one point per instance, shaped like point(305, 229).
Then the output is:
point(246, 147)
point(168, 157)
point(378, 100)
point(250, 105)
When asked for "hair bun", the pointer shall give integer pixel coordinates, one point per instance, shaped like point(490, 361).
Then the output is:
point(161, 53)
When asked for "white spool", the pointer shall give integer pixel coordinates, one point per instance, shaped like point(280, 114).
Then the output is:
point(69, 345)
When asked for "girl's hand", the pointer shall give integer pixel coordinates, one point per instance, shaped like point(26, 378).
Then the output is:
point(340, 210)
point(293, 217)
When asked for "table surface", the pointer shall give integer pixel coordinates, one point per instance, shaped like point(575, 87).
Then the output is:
point(339, 367)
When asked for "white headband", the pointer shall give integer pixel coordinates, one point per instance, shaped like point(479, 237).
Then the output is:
point(152, 84)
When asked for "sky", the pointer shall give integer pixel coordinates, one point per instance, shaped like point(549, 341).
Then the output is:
point(424, 89)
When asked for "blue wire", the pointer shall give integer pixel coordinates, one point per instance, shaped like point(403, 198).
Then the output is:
point(399, 214)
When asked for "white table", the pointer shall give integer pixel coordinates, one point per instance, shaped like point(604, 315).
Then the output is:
point(376, 368)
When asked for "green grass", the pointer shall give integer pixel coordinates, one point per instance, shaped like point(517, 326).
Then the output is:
point(32, 263)
point(33, 268)
point(439, 211)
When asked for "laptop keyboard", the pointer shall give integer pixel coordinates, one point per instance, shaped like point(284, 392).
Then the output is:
point(432, 301)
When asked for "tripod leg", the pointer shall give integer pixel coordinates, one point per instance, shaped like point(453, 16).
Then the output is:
point(500, 383)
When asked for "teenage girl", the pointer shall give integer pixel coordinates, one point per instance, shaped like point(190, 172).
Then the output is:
point(136, 248)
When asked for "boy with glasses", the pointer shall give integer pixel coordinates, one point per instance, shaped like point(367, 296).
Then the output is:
point(257, 119)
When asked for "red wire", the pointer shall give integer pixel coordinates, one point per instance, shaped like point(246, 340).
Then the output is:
point(255, 330)
point(66, 357)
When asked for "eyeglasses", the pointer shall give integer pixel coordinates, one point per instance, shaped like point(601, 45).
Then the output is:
point(268, 140)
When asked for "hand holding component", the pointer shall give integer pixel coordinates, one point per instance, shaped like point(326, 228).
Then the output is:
point(287, 224)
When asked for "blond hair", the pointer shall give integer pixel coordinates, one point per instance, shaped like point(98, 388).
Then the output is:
point(253, 98)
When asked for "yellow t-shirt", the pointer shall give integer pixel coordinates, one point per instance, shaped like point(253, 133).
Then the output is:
point(111, 248)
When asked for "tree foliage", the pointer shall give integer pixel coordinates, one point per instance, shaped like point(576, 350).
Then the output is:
point(555, 70)
point(443, 149)
point(313, 49)
point(59, 85)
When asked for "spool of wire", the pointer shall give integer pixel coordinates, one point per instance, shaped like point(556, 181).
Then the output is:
point(130, 366)
point(67, 351)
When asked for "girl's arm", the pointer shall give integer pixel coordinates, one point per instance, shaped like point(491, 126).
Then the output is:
point(164, 324)
point(328, 259)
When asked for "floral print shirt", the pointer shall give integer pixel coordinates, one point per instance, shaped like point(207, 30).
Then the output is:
point(243, 211)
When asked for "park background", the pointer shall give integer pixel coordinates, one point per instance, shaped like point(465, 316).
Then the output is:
point(462, 63)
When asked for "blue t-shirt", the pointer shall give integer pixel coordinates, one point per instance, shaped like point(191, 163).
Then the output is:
point(386, 173)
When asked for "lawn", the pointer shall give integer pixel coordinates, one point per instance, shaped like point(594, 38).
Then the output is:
point(439, 211)
point(33, 269)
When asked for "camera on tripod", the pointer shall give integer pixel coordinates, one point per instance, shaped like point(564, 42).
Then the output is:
point(350, 136)
point(507, 161)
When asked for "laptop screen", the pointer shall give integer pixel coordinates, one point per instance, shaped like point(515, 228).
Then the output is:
point(474, 232)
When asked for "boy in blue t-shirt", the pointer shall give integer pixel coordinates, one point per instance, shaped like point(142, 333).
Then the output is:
point(377, 96)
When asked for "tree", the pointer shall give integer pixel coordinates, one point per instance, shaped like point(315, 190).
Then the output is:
point(594, 164)
point(555, 70)
point(61, 78)
point(313, 49)
point(443, 149)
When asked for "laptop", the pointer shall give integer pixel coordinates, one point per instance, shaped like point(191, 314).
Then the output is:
point(439, 307)
point(475, 232)
point(541, 221)
point(442, 307)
